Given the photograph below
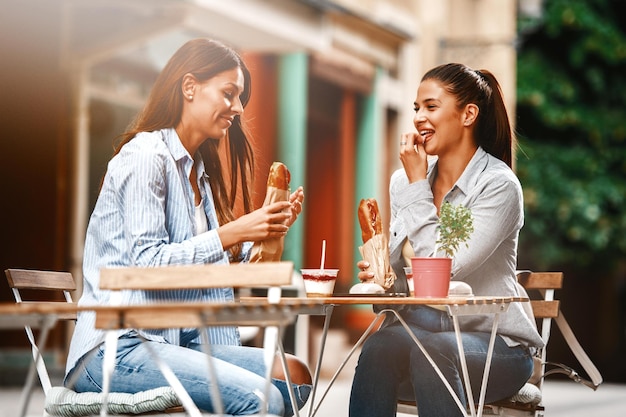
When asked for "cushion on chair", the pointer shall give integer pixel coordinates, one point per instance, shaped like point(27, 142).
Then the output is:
point(61, 401)
point(528, 394)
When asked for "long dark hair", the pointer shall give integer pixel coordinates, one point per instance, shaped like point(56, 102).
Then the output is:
point(204, 58)
point(493, 130)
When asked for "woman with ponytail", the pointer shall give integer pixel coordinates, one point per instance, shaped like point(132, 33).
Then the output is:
point(462, 123)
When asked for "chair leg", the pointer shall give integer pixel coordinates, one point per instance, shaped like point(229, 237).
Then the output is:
point(47, 324)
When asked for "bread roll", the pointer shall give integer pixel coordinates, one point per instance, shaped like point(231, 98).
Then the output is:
point(369, 219)
point(279, 176)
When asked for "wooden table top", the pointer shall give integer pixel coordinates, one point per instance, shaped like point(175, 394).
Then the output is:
point(248, 311)
point(395, 300)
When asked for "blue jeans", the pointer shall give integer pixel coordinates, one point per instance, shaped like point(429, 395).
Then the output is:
point(240, 373)
point(391, 367)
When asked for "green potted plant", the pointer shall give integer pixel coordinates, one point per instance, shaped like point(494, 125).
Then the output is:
point(454, 227)
point(431, 276)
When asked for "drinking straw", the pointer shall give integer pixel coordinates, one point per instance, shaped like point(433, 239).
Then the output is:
point(323, 254)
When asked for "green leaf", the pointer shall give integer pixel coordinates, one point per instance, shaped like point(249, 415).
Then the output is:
point(456, 224)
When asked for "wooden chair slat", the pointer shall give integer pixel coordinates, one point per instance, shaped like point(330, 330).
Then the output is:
point(542, 280)
point(545, 309)
point(197, 276)
point(40, 280)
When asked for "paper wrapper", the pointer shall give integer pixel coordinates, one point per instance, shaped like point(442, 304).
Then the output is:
point(376, 252)
point(270, 250)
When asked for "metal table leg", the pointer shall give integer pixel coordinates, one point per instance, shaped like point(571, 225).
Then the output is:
point(318, 365)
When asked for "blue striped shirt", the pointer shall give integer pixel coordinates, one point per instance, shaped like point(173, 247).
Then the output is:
point(144, 217)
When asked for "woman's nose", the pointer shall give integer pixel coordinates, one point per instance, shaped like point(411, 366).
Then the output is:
point(237, 106)
point(418, 118)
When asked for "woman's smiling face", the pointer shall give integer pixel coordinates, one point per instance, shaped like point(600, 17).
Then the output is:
point(216, 102)
point(438, 119)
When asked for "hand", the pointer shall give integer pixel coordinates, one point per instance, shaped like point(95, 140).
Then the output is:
point(296, 199)
point(413, 156)
point(364, 274)
point(267, 222)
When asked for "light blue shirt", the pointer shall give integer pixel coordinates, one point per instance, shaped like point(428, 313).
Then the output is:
point(491, 190)
point(144, 217)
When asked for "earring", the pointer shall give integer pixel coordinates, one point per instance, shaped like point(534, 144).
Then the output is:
point(190, 97)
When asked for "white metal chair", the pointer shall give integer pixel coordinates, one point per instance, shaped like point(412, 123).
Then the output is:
point(545, 308)
point(55, 288)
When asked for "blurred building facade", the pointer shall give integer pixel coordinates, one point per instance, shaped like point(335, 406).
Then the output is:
point(333, 87)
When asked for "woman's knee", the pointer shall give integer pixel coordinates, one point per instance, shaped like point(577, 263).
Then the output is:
point(444, 343)
point(298, 370)
point(387, 342)
point(441, 347)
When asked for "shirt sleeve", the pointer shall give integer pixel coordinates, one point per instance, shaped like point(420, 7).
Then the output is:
point(413, 216)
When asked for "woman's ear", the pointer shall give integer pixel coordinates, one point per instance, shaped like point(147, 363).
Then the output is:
point(189, 86)
point(470, 114)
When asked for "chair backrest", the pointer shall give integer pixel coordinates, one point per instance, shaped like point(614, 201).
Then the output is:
point(47, 284)
point(544, 283)
point(541, 287)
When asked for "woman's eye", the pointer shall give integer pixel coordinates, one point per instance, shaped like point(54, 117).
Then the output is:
point(229, 95)
point(416, 109)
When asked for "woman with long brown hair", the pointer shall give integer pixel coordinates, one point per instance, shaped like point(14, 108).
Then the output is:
point(165, 201)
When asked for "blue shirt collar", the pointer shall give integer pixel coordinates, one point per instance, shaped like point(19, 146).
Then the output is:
point(179, 152)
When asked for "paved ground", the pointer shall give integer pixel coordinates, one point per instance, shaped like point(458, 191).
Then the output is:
point(562, 399)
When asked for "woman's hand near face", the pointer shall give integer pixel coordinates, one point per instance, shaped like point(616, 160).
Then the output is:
point(270, 221)
point(413, 156)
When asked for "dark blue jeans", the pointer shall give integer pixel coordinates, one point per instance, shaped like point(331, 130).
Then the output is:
point(391, 367)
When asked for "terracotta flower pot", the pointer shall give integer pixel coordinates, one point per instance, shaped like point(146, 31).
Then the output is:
point(431, 276)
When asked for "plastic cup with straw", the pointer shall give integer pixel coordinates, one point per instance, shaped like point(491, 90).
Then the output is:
point(320, 282)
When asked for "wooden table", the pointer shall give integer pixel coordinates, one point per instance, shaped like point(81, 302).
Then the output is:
point(150, 316)
point(173, 315)
point(36, 315)
point(258, 312)
point(455, 306)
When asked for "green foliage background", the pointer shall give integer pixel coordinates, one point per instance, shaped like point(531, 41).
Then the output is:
point(572, 135)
